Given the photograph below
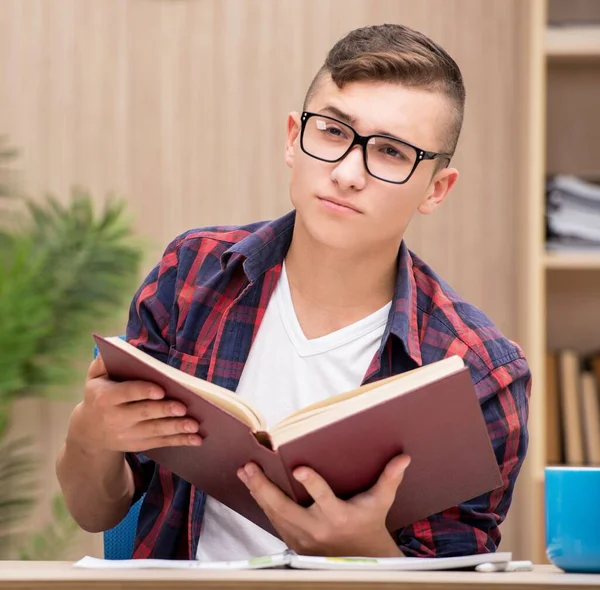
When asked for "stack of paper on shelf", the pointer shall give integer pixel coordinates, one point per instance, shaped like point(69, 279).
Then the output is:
point(572, 214)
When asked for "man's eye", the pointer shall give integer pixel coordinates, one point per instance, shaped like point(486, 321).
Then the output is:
point(392, 152)
point(336, 131)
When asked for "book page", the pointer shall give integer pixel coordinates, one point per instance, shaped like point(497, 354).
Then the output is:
point(346, 404)
point(323, 404)
point(213, 393)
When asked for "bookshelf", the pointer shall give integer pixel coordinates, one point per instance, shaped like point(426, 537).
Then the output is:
point(563, 287)
point(572, 261)
point(574, 42)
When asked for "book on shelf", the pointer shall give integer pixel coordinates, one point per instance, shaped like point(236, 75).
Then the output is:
point(432, 413)
point(572, 408)
point(554, 431)
point(590, 407)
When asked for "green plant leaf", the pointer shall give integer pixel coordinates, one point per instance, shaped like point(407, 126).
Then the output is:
point(7, 174)
point(91, 263)
point(55, 538)
point(25, 312)
point(17, 488)
point(71, 270)
point(65, 267)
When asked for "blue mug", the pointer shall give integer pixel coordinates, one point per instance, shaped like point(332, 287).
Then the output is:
point(572, 497)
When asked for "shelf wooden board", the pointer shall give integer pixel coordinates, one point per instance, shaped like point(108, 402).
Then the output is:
point(572, 260)
point(573, 41)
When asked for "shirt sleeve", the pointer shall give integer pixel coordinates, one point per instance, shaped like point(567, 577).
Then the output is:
point(473, 527)
point(148, 328)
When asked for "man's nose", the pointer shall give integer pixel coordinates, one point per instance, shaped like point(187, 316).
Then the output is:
point(350, 172)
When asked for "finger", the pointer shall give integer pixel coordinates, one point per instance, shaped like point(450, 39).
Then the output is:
point(164, 427)
point(275, 503)
point(133, 391)
point(318, 489)
point(384, 491)
point(97, 368)
point(151, 410)
point(175, 440)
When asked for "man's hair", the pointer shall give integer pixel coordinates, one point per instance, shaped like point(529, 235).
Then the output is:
point(396, 53)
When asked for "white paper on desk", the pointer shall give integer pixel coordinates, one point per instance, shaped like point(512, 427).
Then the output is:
point(291, 559)
point(397, 563)
point(267, 561)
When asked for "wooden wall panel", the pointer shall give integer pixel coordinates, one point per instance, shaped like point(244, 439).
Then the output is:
point(573, 132)
point(572, 313)
point(573, 11)
point(180, 106)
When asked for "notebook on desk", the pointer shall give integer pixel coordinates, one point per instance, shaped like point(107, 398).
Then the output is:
point(290, 559)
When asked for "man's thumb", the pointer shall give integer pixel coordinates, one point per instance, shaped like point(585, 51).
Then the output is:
point(97, 368)
point(392, 477)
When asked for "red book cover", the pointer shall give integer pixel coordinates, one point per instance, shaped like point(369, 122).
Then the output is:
point(440, 425)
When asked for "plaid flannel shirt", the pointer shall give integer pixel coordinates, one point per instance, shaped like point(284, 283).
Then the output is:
point(199, 310)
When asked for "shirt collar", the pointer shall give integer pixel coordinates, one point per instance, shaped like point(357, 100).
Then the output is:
point(266, 247)
point(403, 316)
point(262, 249)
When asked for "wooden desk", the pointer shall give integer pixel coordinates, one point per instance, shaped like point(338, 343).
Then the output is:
point(55, 575)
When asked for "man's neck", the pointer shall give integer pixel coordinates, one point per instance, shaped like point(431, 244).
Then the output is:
point(333, 288)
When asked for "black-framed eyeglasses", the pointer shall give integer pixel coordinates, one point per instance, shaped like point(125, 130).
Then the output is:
point(386, 158)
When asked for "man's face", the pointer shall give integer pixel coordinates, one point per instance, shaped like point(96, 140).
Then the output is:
point(375, 212)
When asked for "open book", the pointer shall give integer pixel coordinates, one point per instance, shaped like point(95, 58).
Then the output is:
point(290, 559)
point(432, 413)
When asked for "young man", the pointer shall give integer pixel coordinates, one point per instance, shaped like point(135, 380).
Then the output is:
point(291, 311)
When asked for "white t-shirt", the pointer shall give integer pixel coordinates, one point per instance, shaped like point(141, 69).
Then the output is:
point(285, 372)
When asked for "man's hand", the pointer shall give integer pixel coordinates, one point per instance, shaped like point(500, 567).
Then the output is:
point(113, 419)
point(330, 526)
point(127, 417)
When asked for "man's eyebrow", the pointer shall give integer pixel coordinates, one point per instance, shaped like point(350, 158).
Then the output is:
point(339, 114)
point(346, 118)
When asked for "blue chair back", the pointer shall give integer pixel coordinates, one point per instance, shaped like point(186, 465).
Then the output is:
point(118, 541)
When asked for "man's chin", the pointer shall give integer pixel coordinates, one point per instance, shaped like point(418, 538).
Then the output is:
point(333, 235)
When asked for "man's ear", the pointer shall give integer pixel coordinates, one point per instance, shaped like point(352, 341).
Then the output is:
point(438, 190)
point(292, 133)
